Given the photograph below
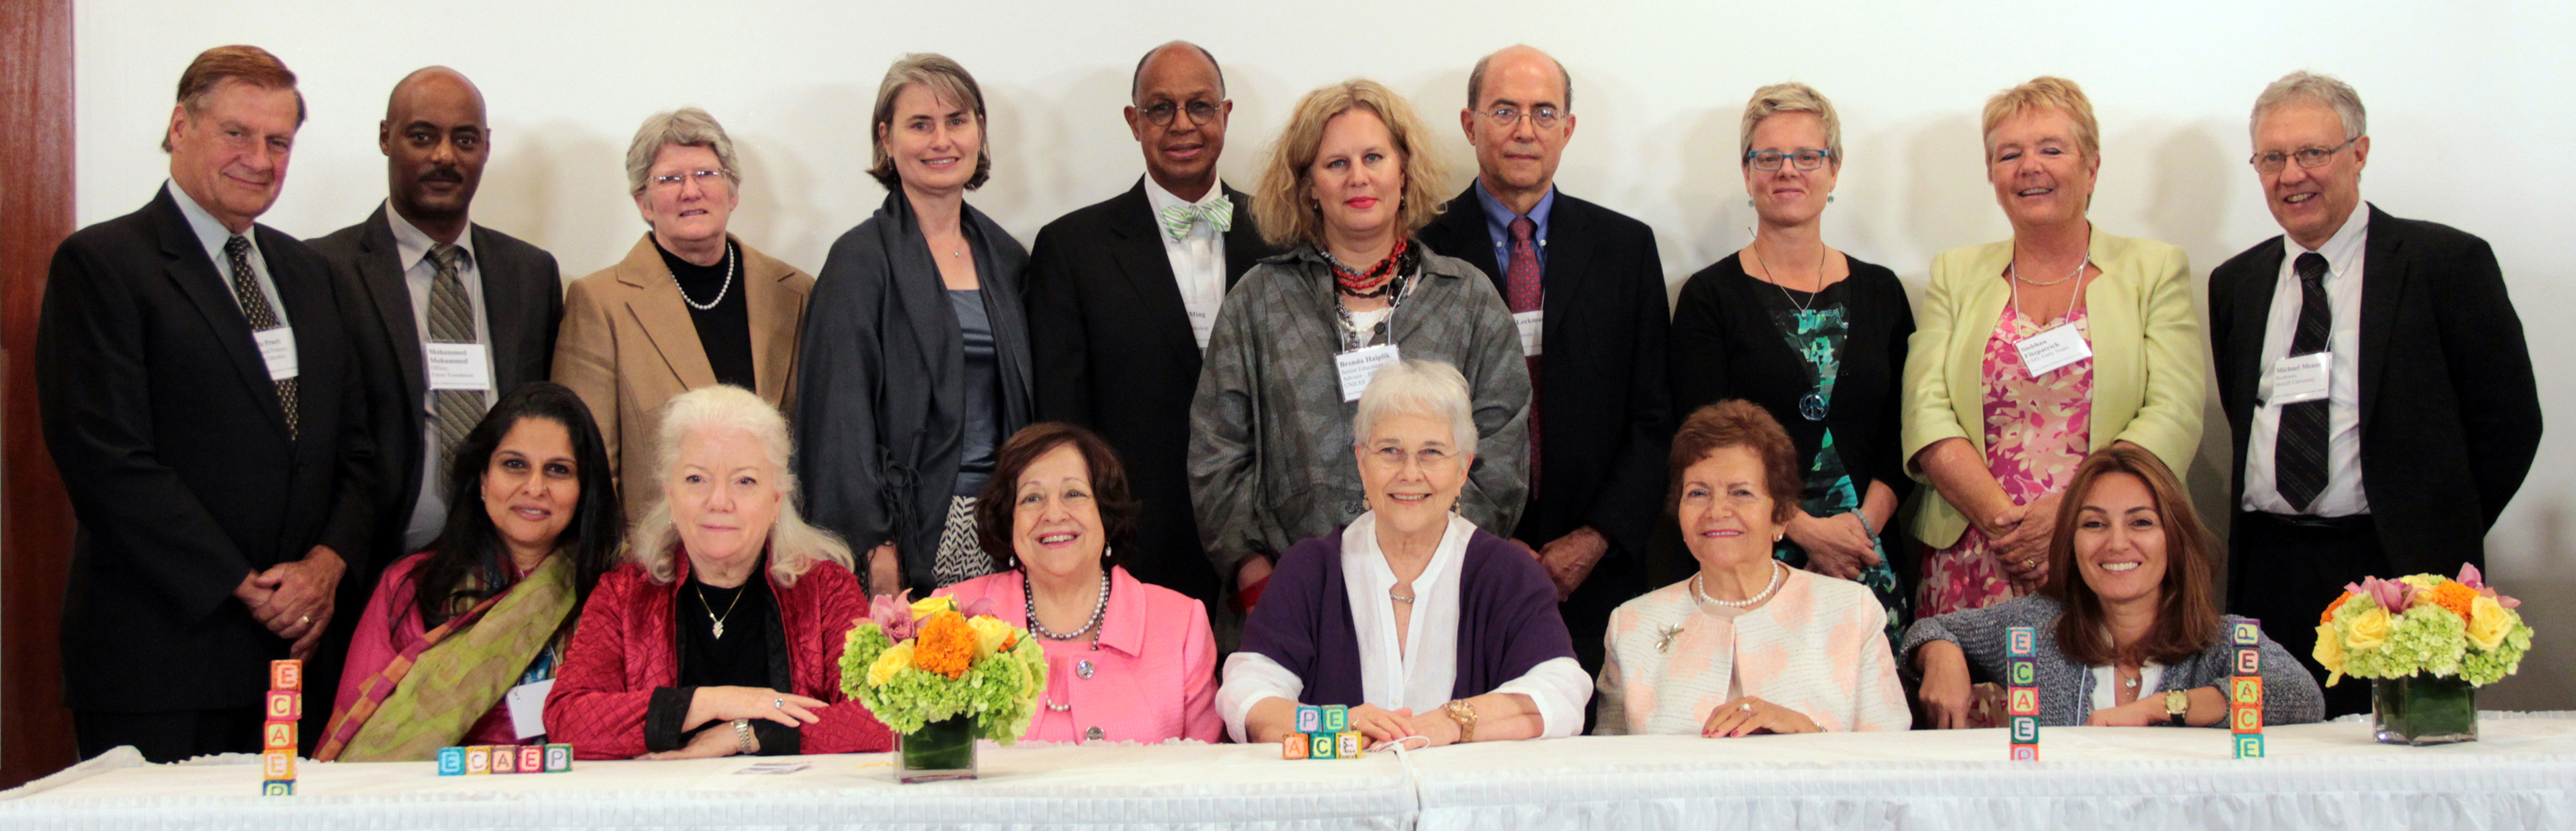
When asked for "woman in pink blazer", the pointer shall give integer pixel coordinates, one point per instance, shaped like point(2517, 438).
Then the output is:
point(1126, 661)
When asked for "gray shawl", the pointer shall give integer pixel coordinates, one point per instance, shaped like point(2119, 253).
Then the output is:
point(2290, 694)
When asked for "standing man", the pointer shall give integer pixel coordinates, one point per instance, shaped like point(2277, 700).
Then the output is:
point(1587, 288)
point(2374, 372)
point(1122, 295)
point(203, 409)
point(444, 316)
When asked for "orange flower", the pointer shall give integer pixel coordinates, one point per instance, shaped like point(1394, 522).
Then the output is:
point(2328, 616)
point(946, 645)
point(2455, 597)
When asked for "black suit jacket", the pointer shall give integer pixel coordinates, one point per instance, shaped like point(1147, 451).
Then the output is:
point(522, 304)
point(2450, 415)
point(1114, 353)
point(173, 445)
point(1605, 415)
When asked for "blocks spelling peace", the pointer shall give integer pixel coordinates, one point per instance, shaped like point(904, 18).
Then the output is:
point(531, 758)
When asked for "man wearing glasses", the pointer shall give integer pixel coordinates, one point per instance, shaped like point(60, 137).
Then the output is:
point(1122, 295)
point(1587, 289)
point(2375, 376)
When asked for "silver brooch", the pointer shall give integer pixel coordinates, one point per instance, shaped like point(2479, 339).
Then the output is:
point(1664, 636)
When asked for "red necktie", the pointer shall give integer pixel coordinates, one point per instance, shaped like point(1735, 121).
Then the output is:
point(1522, 290)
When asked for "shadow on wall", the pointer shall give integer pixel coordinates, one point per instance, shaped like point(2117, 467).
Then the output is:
point(787, 197)
point(2181, 172)
point(1948, 202)
point(2548, 671)
point(550, 181)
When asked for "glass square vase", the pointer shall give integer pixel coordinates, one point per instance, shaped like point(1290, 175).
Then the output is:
point(940, 751)
point(2422, 710)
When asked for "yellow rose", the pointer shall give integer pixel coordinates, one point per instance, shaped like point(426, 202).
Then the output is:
point(888, 663)
point(2427, 582)
point(990, 632)
point(2329, 651)
point(928, 606)
point(2488, 623)
point(2369, 630)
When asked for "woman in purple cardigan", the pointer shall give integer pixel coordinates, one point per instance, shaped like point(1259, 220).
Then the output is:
point(1425, 626)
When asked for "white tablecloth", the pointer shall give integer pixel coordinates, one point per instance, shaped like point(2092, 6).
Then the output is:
point(2521, 775)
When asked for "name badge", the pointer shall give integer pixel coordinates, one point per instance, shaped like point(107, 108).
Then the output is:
point(2052, 348)
point(458, 366)
point(1360, 365)
point(1529, 323)
point(277, 349)
point(1202, 324)
point(528, 707)
point(2302, 378)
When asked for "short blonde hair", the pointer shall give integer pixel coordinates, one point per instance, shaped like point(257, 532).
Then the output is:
point(1791, 97)
point(1432, 389)
point(946, 79)
point(794, 546)
point(1280, 206)
point(2046, 92)
point(2321, 89)
point(683, 127)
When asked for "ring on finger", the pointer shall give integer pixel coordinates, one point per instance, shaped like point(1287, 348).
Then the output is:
point(779, 704)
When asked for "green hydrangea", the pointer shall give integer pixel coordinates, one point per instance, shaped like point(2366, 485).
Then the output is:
point(2483, 668)
point(2429, 638)
point(1001, 692)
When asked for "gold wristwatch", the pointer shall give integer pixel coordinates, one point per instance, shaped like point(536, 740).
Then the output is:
point(2177, 703)
point(1465, 715)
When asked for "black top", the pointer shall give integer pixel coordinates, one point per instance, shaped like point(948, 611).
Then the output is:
point(1727, 344)
point(752, 653)
point(983, 428)
point(724, 330)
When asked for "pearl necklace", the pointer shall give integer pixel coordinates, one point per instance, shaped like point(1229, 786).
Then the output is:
point(730, 264)
point(1099, 610)
point(1778, 572)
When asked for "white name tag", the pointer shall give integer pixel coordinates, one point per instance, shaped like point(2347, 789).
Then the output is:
point(2302, 378)
point(1202, 324)
point(528, 707)
point(1529, 323)
point(459, 366)
point(277, 349)
point(1360, 365)
point(2052, 348)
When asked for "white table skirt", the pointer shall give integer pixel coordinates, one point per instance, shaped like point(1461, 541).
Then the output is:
point(2521, 775)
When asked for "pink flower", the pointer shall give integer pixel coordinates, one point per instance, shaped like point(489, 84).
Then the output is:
point(2472, 578)
point(978, 607)
point(893, 612)
point(2389, 594)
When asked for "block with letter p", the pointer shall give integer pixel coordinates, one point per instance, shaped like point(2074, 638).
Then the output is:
point(2246, 691)
point(558, 758)
point(1296, 746)
point(2025, 752)
point(2245, 632)
point(286, 674)
point(2022, 701)
point(1310, 719)
point(2249, 745)
point(2249, 661)
point(285, 705)
point(277, 764)
point(277, 787)
point(2025, 729)
point(451, 761)
point(2245, 718)
point(2021, 641)
point(2022, 672)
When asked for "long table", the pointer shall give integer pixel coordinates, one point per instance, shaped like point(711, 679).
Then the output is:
point(2521, 775)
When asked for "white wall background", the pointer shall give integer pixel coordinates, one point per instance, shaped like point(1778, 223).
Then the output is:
point(2468, 103)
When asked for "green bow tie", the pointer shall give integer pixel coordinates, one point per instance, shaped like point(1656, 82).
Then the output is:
point(1218, 213)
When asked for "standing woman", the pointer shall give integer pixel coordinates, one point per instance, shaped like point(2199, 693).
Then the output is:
point(917, 353)
point(691, 305)
point(1815, 337)
point(2036, 351)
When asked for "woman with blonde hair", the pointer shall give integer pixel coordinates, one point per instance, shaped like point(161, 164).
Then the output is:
point(723, 633)
point(1349, 182)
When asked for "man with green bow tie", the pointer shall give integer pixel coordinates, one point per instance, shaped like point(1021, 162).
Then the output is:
point(1122, 296)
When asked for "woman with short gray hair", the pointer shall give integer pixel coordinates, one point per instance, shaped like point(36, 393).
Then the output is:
point(690, 306)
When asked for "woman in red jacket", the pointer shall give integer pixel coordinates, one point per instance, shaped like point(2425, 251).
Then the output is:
point(723, 634)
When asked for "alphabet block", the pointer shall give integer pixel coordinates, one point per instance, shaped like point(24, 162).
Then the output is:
point(1310, 719)
point(2249, 745)
point(1323, 746)
point(2248, 690)
point(2025, 752)
point(286, 674)
point(2243, 718)
point(505, 759)
point(478, 759)
point(277, 787)
point(277, 735)
point(1296, 746)
point(1347, 745)
point(285, 705)
point(277, 764)
point(1337, 718)
point(451, 761)
point(2249, 661)
point(532, 759)
point(2025, 729)
point(558, 758)
point(2021, 641)
point(2245, 632)
point(2023, 701)
point(2024, 673)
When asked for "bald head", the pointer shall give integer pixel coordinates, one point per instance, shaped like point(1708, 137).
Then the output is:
point(435, 142)
point(1195, 58)
point(1519, 57)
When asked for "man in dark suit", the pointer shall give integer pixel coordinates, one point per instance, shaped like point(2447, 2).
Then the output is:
point(417, 279)
point(203, 410)
point(2375, 376)
point(1122, 295)
point(1587, 288)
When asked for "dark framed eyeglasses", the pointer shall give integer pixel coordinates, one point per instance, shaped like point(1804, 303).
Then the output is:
point(2272, 162)
point(1201, 112)
point(1503, 118)
point(1804, 159)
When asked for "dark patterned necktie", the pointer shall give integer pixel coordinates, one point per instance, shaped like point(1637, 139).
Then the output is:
point(1522, 291)
point(2299, 452)
point(254, 306)
point(451, 320)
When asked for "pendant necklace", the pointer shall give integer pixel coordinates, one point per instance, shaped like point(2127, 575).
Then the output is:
point(1812, 407)
point(716, 620)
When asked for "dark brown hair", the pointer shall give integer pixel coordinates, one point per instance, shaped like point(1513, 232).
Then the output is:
point(1738, 423)
point(996, 505)
point(2186, 617)
point(247, 64)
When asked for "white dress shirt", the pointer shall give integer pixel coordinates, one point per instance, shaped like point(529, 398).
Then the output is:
point(1421, 672)
point(2106, 693)
point(2342, 495)
point(212, 234)
point(411, 249)
point(1198, 260)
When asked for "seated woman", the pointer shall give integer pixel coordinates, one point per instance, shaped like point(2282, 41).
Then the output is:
point(724, 633)
point(1426, 626)
point(1126, 661)
point(489, 607)
point(2128, 635)
point(1748, 645)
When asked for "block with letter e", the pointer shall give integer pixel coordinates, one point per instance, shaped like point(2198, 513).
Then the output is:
point(1347, 745)
point(2022, 701)
point(2249, 745)
point(532, 758)
point(1337, 718)
point(2249, 661)
point(2025, 729)
point(286, 674)
point(277, 764)
point(2021, 641)
point(451, 761)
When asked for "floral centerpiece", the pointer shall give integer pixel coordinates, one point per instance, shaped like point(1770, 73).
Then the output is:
point(2427, 643)
point(943, 676)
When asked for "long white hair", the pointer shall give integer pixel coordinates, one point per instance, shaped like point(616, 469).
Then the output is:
point(794, 546)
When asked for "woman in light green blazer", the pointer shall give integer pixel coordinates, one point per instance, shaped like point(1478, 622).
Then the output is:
point(1997, 440)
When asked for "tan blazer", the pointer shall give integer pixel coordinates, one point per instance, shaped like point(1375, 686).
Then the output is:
point(2149, 359)
point(627, 346)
